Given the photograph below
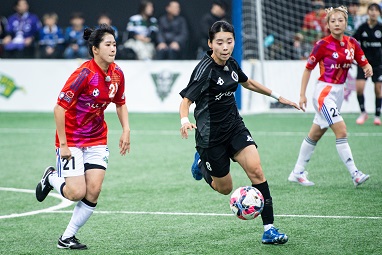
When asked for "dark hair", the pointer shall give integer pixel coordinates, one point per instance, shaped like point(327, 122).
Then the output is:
point(220, 26)
point(220, 3)
point(76, 15)
point(142, 5)
point(374, 5)
point(95, 36)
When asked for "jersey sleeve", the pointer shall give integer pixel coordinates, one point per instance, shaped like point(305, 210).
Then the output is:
point(73, 87)
point(195, 86)
point(242, 76)
point(315, 56)
point(119, 97)
point(359, 55)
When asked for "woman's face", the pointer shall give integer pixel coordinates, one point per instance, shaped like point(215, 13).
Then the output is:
point(373, 14)
point(107, 49)
point(222, 46)
point(337, 23)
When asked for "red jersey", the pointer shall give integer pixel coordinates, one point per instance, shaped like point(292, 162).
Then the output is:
point(85, 96)
point(335, 58)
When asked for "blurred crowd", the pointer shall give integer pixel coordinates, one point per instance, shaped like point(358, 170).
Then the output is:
point(25, 35)
point(314, 26)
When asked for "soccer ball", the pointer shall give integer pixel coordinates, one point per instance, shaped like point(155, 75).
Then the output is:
point(247, 203)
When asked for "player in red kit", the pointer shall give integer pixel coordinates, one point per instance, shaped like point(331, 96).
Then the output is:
point(81, 136)
point(334, 54)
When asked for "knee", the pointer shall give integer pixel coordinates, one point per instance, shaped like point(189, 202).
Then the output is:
point(74, 195)
point(226, 190)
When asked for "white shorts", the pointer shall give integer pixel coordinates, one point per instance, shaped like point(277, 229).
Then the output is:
point(82, 160)
point(327, 101)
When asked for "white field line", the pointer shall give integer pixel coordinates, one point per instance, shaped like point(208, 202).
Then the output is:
point(66, 203)
point(63, 204)
point(176, 132)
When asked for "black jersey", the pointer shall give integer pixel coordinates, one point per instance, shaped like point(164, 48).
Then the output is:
point(212, 88)
point(371, 42)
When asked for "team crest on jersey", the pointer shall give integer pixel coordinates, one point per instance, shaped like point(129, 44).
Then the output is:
point(335, 55)
point(311, 60)
point(96, 92)
point(234, 76)
point(378, 34)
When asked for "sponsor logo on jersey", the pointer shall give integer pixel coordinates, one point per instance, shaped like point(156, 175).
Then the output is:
point(220, 95)
point(95, 106)
point(65, 97)
point(164, 81)
point(338, 66)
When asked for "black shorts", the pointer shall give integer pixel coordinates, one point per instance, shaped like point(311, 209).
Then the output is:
point(377, 74)
point(216, 159)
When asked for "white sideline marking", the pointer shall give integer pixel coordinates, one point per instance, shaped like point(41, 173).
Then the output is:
point(176, 132)
point(64, 203)
point(229, 215)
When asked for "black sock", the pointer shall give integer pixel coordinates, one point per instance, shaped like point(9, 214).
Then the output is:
point(361, 102)
point(378, 102)
point(267, 214)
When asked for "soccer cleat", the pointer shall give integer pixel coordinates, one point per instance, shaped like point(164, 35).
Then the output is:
point(301, 178)
point(377, 121)
point(362, 118)
point(70, 243)
point(43, 187)
point(195, 169)
point(272, 236)
point(359, 178)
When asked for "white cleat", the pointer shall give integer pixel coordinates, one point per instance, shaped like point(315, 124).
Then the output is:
point(301, 178)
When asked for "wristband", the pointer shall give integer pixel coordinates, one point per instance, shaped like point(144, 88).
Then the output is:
point(275, 95)
point(184, 120)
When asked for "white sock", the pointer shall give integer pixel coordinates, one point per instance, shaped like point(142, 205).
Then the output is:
point(346, 156)
point(267, 227)
point(306, 151)
point(56, 182)
point(81, 214)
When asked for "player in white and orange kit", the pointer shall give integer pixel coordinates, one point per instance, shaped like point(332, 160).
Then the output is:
point(81, 136)
point(335, 54)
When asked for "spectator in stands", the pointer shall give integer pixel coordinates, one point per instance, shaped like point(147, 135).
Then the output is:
point(51, 37)
point(314, 25)
point(216, 13)
point(142, 30)
point(3, 26)
point(355, 20)
point(104, 18)
point(172, 34)
point(21, 30)
point(76, 45)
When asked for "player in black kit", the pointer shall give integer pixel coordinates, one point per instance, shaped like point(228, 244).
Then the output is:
point(369, 35)
point(220, 132)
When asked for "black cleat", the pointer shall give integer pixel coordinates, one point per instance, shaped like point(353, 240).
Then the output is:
point(43, 187)
point(71, 243)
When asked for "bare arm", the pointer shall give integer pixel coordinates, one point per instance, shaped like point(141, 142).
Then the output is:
point(259, 88)
point(304, 85)
point(124, 141)
point(368, 70)
point(59, 116)
point(184, 110)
